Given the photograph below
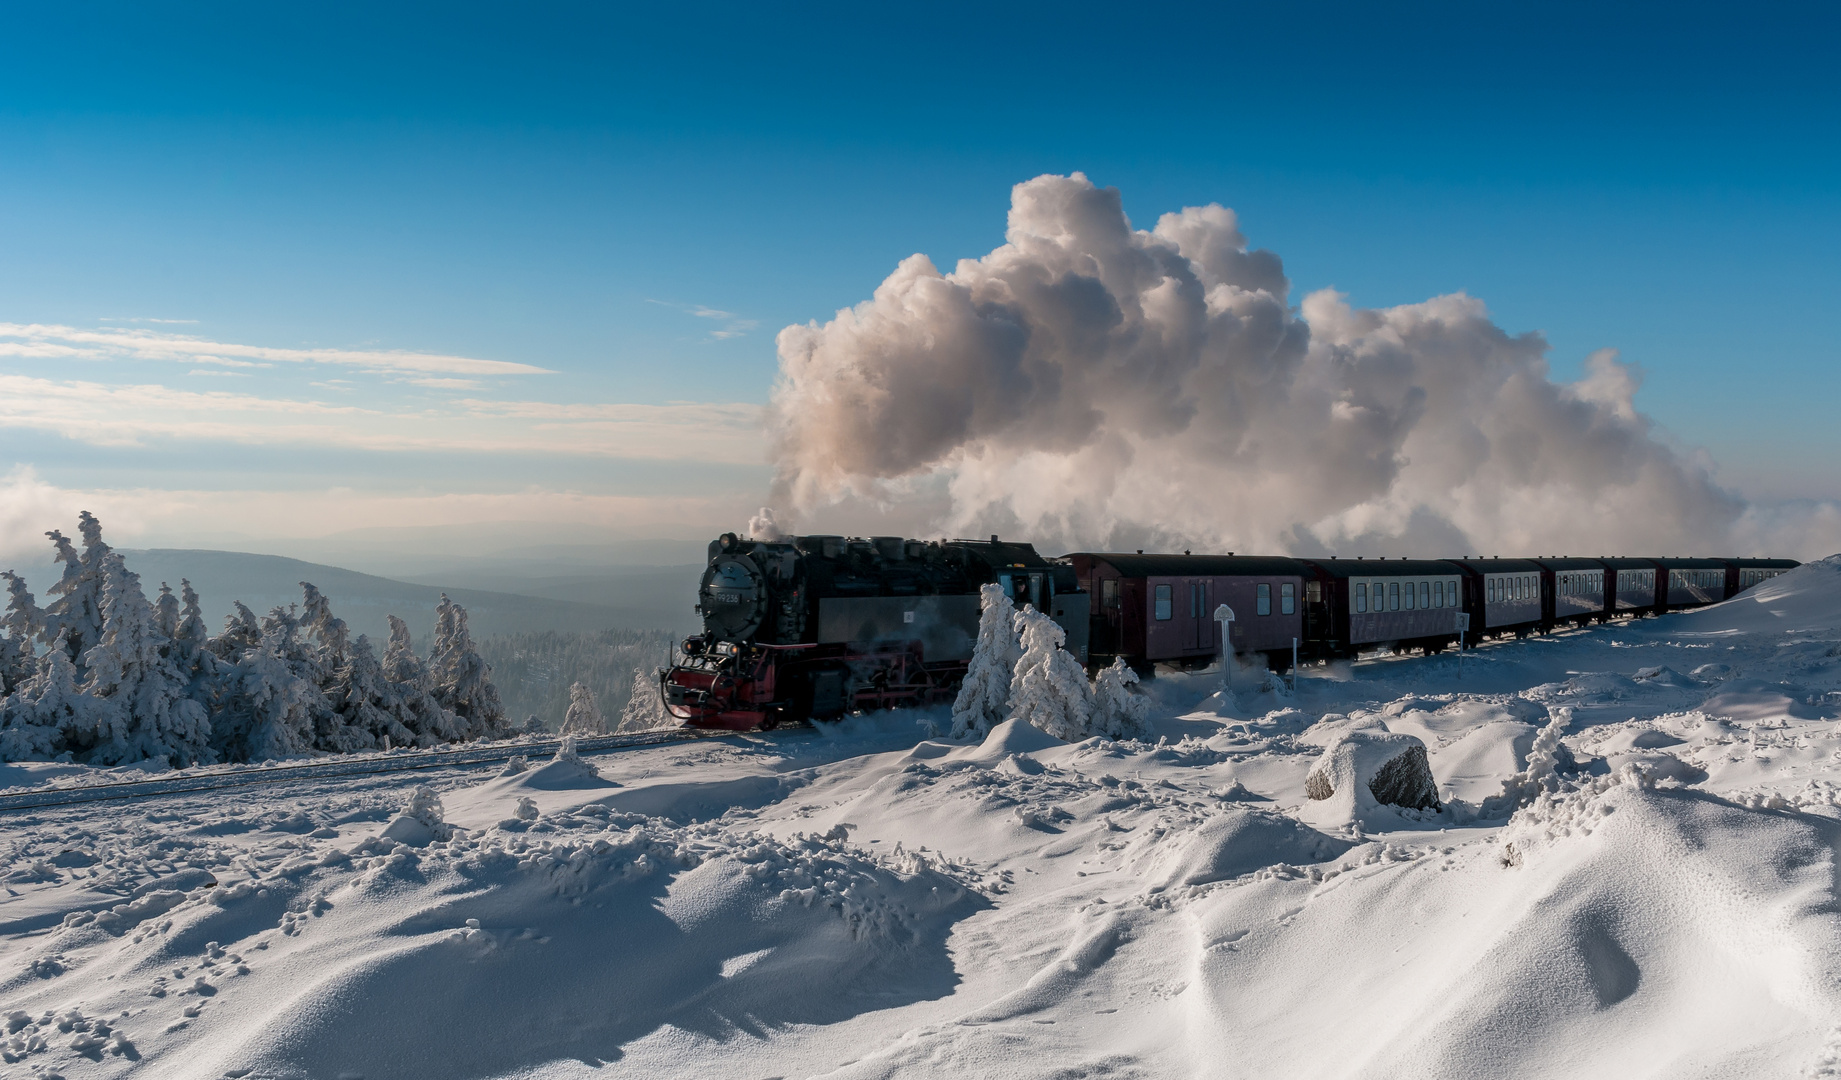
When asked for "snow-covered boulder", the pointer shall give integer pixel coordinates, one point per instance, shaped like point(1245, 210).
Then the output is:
point(1362, 769)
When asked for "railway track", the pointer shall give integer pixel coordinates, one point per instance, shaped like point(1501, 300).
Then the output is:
point(252, 776)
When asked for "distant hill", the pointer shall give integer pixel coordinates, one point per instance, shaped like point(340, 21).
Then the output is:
point(364, 600)
point(666, 593)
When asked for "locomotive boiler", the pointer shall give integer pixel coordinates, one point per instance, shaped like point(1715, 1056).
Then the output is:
point(817, 626)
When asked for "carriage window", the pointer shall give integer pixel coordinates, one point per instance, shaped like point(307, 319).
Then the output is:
point(1265, 600)
point(1393, 596)
point(1361, 596)
point(1287, 599)
point(1109, 594)
point(1438, 594)
point(1408, 598)
point(1163, 602)
point(1425, 594)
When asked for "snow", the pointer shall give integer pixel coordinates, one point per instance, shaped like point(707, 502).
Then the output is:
point(1631, 872)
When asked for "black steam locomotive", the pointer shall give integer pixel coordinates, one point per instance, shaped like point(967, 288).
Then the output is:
point(816, 626)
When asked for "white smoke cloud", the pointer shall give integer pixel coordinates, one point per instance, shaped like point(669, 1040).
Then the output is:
point(1092, 385)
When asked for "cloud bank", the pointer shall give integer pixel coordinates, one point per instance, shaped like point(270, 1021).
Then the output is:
point(51, 341)
point(1089, 384)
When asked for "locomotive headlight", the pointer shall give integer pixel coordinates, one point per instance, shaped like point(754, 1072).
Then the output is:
point(733, 598)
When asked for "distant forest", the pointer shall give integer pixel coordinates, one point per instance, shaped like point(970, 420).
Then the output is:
point(533, 671)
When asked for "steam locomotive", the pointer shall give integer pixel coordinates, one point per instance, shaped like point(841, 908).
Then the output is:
point(817, 626)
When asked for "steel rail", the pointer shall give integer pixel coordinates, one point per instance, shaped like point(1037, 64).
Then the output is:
point(41, 798)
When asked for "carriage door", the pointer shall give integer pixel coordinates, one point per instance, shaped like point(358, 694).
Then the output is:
point(1199, 632)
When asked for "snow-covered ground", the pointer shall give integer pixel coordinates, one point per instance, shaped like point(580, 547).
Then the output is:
point(1654, 897)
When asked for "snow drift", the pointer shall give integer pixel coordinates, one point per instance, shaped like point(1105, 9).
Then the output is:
point(1621, 877)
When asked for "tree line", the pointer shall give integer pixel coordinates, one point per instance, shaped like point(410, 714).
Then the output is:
point(105, 676)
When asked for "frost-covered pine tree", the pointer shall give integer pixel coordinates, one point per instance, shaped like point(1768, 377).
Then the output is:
point(51, 715)
point(76, 614)
point(191, 632)
point(431, 722)
point(272, 700)
point(462, 681)
point(1119, 710)
point(241, 633)
point(22, 623)
point(984, 696)
point(1049, 689)
point(644, 710)
point(374, 712)
point(329, 663)
point(166, 612)
point(136, 670)
point(317, 619)
point(584, 715)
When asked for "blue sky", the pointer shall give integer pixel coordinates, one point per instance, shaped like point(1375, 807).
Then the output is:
point(635, 199)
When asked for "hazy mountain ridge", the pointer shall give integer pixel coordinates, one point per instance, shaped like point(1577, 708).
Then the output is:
point(261, 582)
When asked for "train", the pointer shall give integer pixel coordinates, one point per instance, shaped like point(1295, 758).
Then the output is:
point(802, 628)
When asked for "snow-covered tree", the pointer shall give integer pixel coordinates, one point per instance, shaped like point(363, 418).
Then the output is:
point(22, 623)
point(462, 681)
point(644, 710)
point(430, 722)
point(76, 614)
point(984, 696)
point(191, 631)
point(241, 633)
point(272, 700)
point(373, 712)
point(50, 714)
point(584, 715)
point(134, 667)
point(317, 619)
point(166, 612)
point(1119, 711)
point(1049, 689)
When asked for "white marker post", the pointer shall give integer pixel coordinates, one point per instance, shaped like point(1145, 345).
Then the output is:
point(1463, 624)
point(1225, 616)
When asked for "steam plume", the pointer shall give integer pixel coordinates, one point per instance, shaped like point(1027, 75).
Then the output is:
point(1093, 385)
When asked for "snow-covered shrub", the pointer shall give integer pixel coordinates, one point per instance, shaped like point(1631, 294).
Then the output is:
point(1542, 774)
point(1049, 689)
point(645, 710)
point(420, 822)
point(984, 696)
point(1120, 710)
point(584, 715)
